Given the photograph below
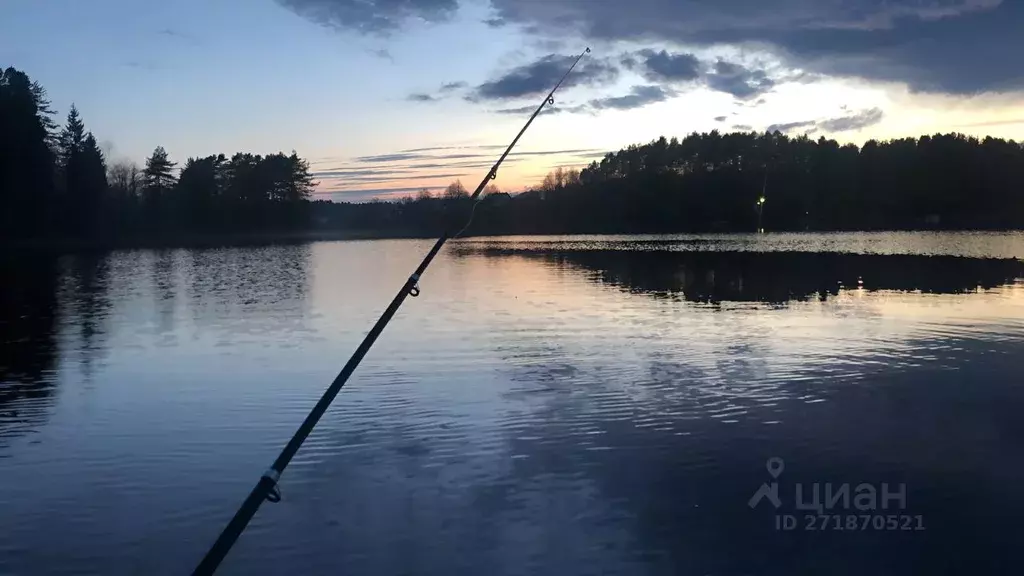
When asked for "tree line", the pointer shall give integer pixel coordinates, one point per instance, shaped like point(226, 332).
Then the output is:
point(715, 182)
point(56, 183)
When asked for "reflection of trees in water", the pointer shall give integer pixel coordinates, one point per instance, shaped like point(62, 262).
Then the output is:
point(164, 292)
point(47, 303)
point(651, 437)
point(32, 304)
point(88, 304)
point(779, 277)
point(247, 283)
point(28, 343)
point(549, 495)
point(678, 479)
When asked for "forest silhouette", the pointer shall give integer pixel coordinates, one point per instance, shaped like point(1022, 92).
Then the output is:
point(716, 182)
point(57, 186)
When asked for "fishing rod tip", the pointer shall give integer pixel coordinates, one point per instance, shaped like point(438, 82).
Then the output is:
point(587, 51)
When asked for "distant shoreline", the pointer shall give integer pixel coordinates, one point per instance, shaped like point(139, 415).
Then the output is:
point(195, 241)
point(72, 246)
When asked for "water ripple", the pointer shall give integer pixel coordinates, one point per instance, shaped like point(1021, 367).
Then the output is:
point(547, 406)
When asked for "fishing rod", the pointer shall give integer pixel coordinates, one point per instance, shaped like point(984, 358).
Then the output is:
point(266, 489)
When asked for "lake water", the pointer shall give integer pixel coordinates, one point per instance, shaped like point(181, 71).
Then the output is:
point(556, 406)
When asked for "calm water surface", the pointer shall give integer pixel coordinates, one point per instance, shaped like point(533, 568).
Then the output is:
point(564, 406)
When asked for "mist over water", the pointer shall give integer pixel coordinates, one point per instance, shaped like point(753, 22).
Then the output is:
point(567, 405)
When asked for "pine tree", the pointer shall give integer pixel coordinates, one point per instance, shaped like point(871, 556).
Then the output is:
point(159, 171)
point(158, 180)
point(198, 191)
point(83, 177)
point(70, 140)
point(69, 146)
point(44, 113)
point(92, 188)
point(26, 162)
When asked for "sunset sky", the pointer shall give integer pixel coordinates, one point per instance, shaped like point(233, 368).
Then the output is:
point(387, 96)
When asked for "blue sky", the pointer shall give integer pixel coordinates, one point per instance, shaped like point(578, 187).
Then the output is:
point(354, 85)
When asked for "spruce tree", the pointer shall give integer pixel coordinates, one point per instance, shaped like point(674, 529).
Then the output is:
point(158, 180)
point(83, 177)
point(26, 161)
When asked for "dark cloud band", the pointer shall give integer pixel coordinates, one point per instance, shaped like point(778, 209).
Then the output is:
point(664, 66)
point(953, 46)
point(372, 16)
point(738, 80)
point(539, 76)
point(638, 97)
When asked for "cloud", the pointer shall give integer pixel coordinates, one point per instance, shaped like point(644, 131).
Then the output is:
point(178, 35)
point(856, 121)
point(383, 53)
point(457, 156)
point(549, 109)
point(483, 162)
point(348, 181)
point(400, 156)
point(346, 172)
point(344, 179)
point(790, 126)
point(847, 123)
point(733, 78)
point(464, 147)
point(142, 65)
point(554, 152)
point(522, 110)
point(371, 16)
point(516, 111)
point(540, 76)
point(443, 92)
point(993, 123)
point(408, 156)
point(738, 80)
point(743, 127)
point(429, 149)
point(638, 97)
point(952, 46)
point(485, 153)
point(754, 104)
point(663, 66)
point(368, 194)
point(721, 118)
